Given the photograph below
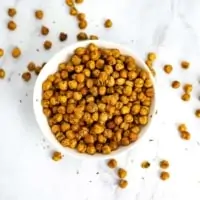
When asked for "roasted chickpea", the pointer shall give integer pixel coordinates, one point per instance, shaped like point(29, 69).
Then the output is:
point(187, 88)
point(12, 12)
point(82, 36)
point(123, 183)
point(145, 164)
point(91, 149)
point(175, 84)
point(81, 148)
point(57, 156)
point(82, 24)
point(168, 69)
point(106, 149)
point(63, 36)
point(108, 23)
point(185, 97)
point(44, 30)
point(16, 52)
point(139, 83)
point(39, 14)
point(26, 76)
point(164, 164)
point(122, 173)
point(197, 113)
point(143, 120)
point(72, 84)
point(1, 52)
point(55, 129)
point(185, 64)
point(164, 176)
point(94, 37)
point(12, 25)
point(151, 56)
point(2, 73)
point(185, 135)
point(112, 163)
point(47, 44)
point(73, 11)
point(69, 2)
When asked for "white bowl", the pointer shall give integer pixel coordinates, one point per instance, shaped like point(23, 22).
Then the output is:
point(52, 67)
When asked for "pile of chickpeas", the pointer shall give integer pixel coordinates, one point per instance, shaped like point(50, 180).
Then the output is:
point(98, 100)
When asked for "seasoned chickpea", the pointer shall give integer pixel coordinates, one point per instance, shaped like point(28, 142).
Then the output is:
point(145, 164)
point(187, 88)
point(73, 11)
point(82, 36)
point(106, 149)
point(2, 73)
point(122, 173)
point(151, 56)
point(26, 76)
point(135, 109)
point(12, 25)
point(69, 2)
point(168, 69)
point(82, 24)
point(182, 127)
point(125, 141)
point(175, 84)
point(58, 117)
point(125, 110)
point(81, 147)
point(55, 129)
point(123, 183)
point(185, 97)
point(16, 52)
point(47, 44)
point(1, 52)
point(57, 156)
point(185, 64)
point(94, 37)
point(63, 36)
point(164, 164)
point(39, 14)
point(197, 113)
point(79, 1)
point(164, 176)
point(91, 149)
point(112, 163)
point(143, 120)
point(31, 66)
point(80, 78)
point(185, 135)
point(108, 23)
point(12, 12)
point(139, 83)
point(44, 30)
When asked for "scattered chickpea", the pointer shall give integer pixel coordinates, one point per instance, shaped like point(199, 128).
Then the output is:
point(2, 73)
point(37, 70)
point(82, 24)
point(26, 76)
point(63, 36)
point(31, 66)
point(16, 52)
point(39, 14)
point(79, 1)
point(145, 164)
point(185, 97)
point(44, 30)
point(47, 44)
point(123, 183)
point(197, 113)
point(1, 52)
point(182, 127)
point(112, 163)
point(185, 135)
point(81, 16)
point(108, 23)
point(175, 84)
point(12, 25)
point(164, 164)
point(57, 156)
point(164, 176)
point(187, 88)
point(82, 36)
point(73, 11)
point(151, 56)
point(168, 69)
point(185, 64)
point(70, 3)
point(122, 173)
point(12, 12)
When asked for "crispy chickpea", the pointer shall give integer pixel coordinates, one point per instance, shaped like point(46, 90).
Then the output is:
point(70, 134)
point(80, 78)
point(197, 113)
point(185, 97)
point(151, 56)
point(125, 141)
point(46, 85)
point(149, 63)
point(185, 135)
point(89, 139)
point(65, 127)
point(26, 76)
point(12, 25)
point(187, 88)
point(76, 60)
point(16, 52)
point(182, 127)
point(82, 24)
point(81, 147)
point(81, 16)
point(63, 36)
point(39, 14)
point(58, 117)
point(145, 164)
point(106, 149)
point(185, 64)
point(143, 120)
point(144, 110)
point(73, 11)
point(1, 52)
point(82, 36)
point(65, 142)
point(47, 94)
point(62, 85)
point(12, 12)
point(93, 37)
point(135, 109)
point(69, 2)
point(91, 149)
point(44, 30)
point(47, 44)
point(55, 129)
point(175, 84)
point(79, 1)
point(31, 66)
point(123, 183)
point(2, 73)
point(72, 84)
point(164, 176)
point(57, 156)
point(168, 69)
point(122, 173)
point(108, 23)
point(47, 112)
point(38, 70)
point(112, 163)
point(139, 83)
point(125, 110)
point(164, 164)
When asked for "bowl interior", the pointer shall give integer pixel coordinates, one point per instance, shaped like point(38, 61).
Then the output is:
point(51, 67)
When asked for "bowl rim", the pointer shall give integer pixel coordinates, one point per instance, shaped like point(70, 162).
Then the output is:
point(40, 117)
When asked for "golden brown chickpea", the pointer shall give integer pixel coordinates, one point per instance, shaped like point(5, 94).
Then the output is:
point(79, 1)
point(58, 117)
point(47, 94)
point(164, 164)
point(65, 127)
point(81, 16)
point(47, 44)
point(143, 120)
point(144, 110)
point(122, 173)
point(182, 127)
point(12, 25)
point(12, 12)
point(72, 84)
point(31, 66)
point(26, 76)
point(60, 136)
point(149, 63)
point(77, 96)
point(125, 110)
point(135, 109)
point(108, 23)
point(44, 30)
point(185, 97)
point(61, 110)
point(102, 139)
point(62, 85)
point(2, 73)
point(65, 142)
point(175, 84)
point(91, 149)
point(16, 52)
point(81, 148)
point(47, 85)
point(145, 164)
point(39, 14)
point(73, 11)
point(106, 149)
point(94, 37)
point(102, 90)
point(112, 163)
point(89, 139)
point(97, 128)
point(148, 83)
point(69, 2)
point(197, 113)
point(70, 134)
point(80, 78)
point(57, 156)
point(47, 112)
point(82, 36)
point(76, 60)
point(127, 91)
point(123, 183)
point(168, 69)
point(151, 56)
point(55, 129)
point(185, 64)
point(125, 141)
point(164, 176)
point(82, 24)
point(103, 117)
point(187, 88)
point(139, 83)
point(63, 36)
point(73, 143)
point(128, 118)
point(149, 93)
point(1, 52)
point(185, 135)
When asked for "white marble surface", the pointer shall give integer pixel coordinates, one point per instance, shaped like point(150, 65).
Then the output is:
point(171, 28)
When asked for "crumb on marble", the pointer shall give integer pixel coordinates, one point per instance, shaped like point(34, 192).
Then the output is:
point(57, 156)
